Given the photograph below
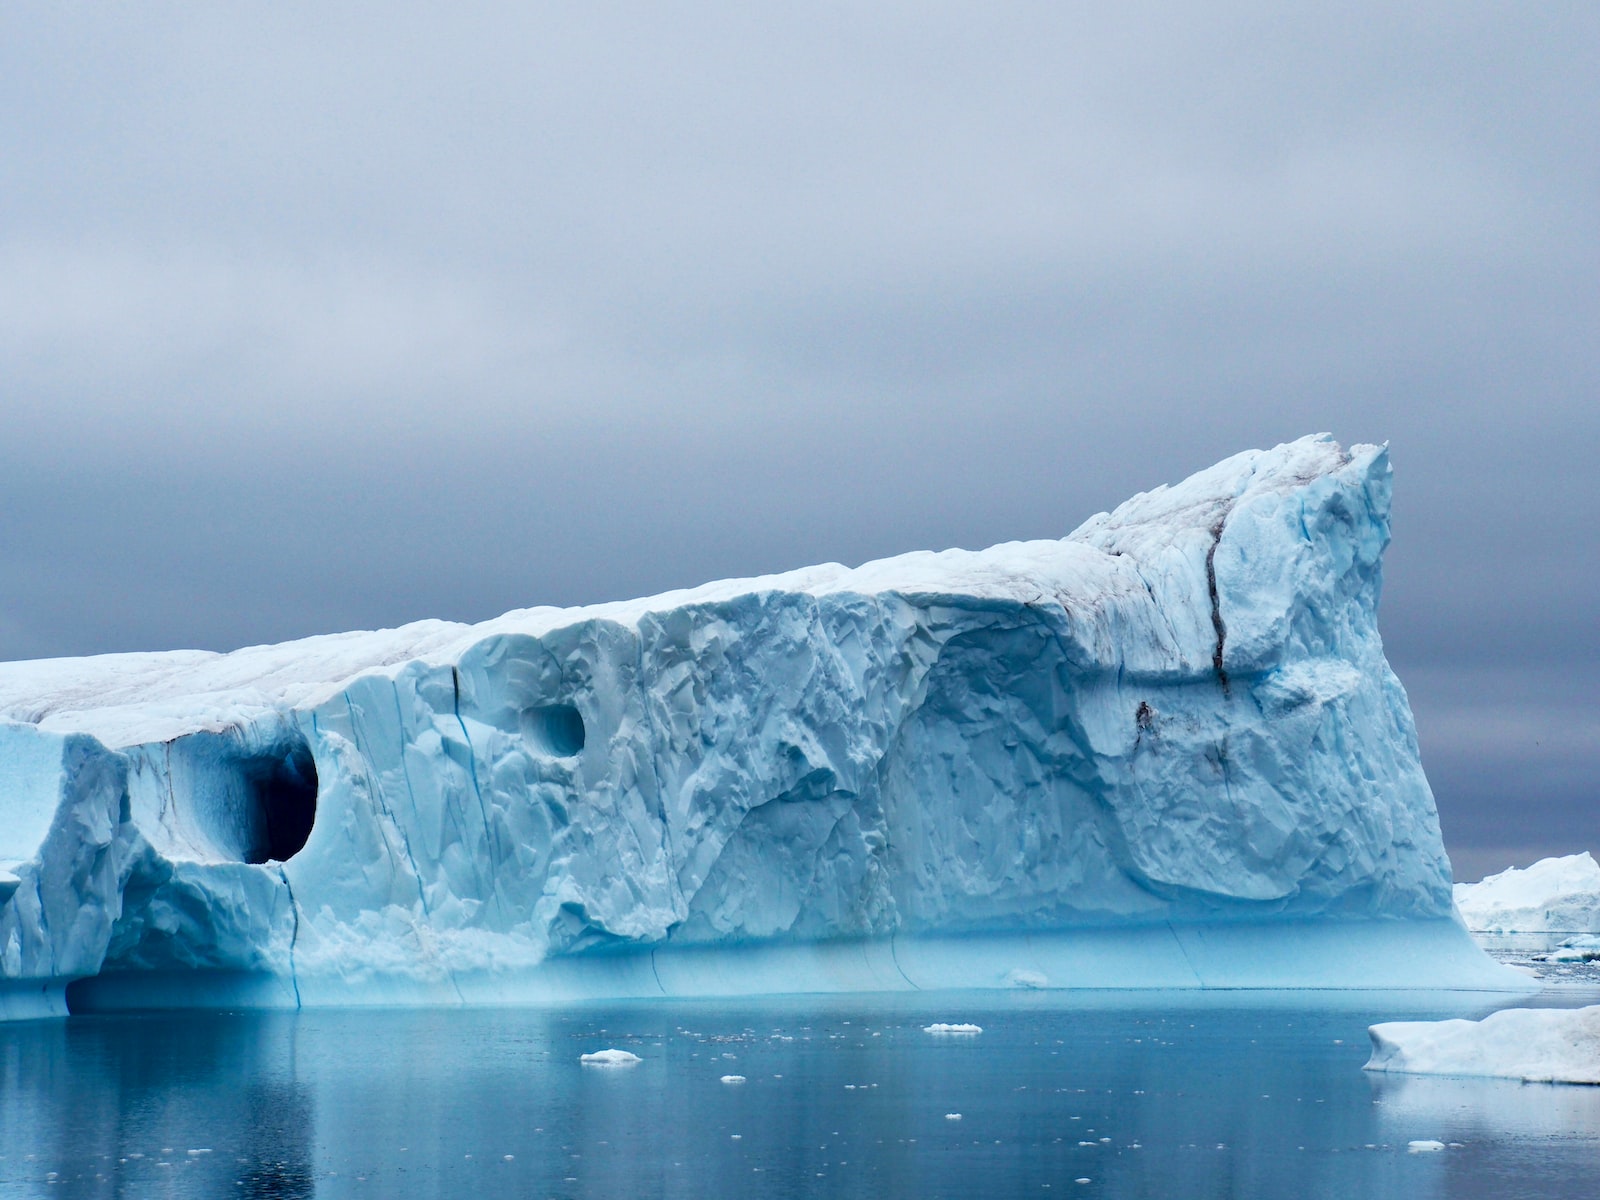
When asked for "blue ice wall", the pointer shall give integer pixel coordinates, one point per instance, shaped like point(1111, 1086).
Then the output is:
point(1088, 762)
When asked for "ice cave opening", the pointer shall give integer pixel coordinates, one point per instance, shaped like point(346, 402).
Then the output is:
point(556, 729)
point(283, 791)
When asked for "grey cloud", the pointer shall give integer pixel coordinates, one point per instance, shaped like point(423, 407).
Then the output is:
point(313, 320)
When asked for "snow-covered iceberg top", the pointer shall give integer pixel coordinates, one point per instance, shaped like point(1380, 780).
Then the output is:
point(1539, 1045)
point(1110, 759)
point(1554, 895)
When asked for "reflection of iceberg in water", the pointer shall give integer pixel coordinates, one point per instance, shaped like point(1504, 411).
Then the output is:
point(278, 1142)
point(1468, 1109)
point(494, 1102)
point(207, 1104)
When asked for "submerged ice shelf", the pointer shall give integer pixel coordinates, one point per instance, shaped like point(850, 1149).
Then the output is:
point(1164, 751)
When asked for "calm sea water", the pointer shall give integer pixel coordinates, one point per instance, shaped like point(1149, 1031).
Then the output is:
point(1139, 1095)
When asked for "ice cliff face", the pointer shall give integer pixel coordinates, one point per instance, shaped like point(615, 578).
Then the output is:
point(1177, 718)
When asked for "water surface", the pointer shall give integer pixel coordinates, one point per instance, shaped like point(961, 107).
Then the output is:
point(1138, 1094)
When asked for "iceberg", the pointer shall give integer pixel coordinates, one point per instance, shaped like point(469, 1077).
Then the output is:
point(1554, 895)
point(1163, 751)
point(1536, 1045)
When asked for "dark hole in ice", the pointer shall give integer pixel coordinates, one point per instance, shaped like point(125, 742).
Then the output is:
point(283, 787)
point(555, 729)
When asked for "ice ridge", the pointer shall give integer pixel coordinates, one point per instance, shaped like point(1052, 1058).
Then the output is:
point(1122, 758)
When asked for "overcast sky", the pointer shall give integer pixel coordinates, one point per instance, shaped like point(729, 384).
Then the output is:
point(312, 321)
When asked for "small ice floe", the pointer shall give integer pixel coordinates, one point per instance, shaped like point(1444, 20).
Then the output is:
point(952, 1116)
point(1575, 952)
point(1536, 1045)
point(1424, 1146)
point(609, 1058)
point(945, 1027)
point(733, 1079)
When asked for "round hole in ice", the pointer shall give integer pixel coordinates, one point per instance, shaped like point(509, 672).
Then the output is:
point(555, 729)
point(283, 787)
point(240, 795)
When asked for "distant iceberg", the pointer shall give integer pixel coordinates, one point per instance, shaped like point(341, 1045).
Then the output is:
point(1555, 895)
point(1164, 751)
point(1537, 1045)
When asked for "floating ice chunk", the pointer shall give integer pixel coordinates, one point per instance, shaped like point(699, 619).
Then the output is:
point(952, 1116)
point(733, 1079)
point(1424, 1146)
point(1539, 1045)
point(943, 1027)
point(610, 1058)
point(1573, 954)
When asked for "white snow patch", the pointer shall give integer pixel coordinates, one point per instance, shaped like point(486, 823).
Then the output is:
point(1538, 1045)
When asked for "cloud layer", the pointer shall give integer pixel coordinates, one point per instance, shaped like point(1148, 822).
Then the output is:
point(311, 322)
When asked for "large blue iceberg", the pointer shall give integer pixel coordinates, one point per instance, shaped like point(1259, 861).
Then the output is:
point(1164, 751)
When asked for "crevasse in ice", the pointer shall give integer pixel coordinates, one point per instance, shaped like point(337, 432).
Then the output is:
point(1163, 751)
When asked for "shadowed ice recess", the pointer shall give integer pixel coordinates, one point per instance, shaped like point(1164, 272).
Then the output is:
point(1165, 751)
